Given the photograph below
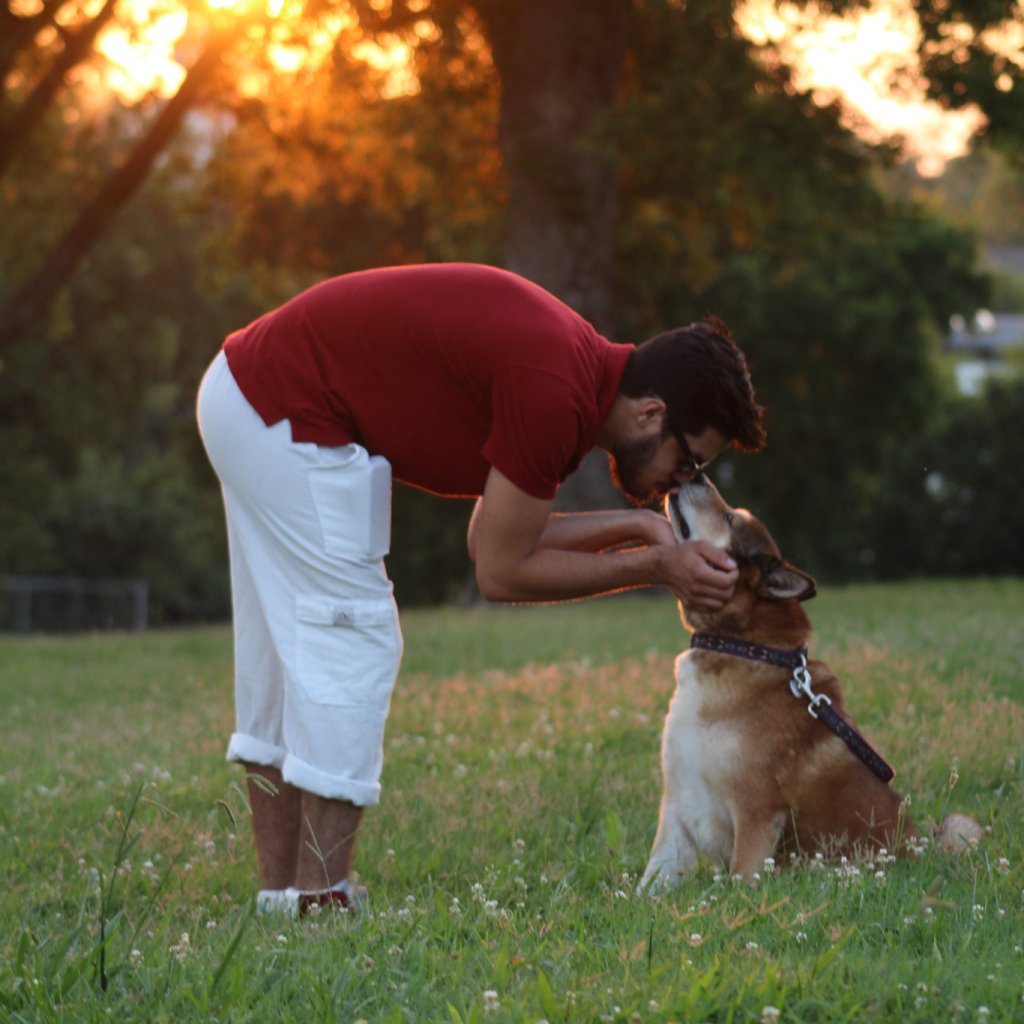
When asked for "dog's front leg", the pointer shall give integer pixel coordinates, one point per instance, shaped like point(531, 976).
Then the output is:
point(757, 836)
point(672, 855)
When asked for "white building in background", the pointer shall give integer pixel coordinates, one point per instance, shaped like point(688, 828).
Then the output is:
point(984, 343)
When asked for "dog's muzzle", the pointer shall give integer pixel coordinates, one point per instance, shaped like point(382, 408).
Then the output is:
point(676, 516)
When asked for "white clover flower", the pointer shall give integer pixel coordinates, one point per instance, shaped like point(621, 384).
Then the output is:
point(696, 939)
point(490, 1000)
point(181, 949)
point(136, 958)
point(770, 1014)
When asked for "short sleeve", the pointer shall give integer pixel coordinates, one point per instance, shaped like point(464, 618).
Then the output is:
point(536, 430)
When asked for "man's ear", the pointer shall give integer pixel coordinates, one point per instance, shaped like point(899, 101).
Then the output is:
point(647, 410)
point(781, 581)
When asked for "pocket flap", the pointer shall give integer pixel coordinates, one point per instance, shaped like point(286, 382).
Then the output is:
point(329, 611)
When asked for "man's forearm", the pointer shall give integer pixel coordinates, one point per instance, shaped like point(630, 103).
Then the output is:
point(599, 531)
point(556, 574)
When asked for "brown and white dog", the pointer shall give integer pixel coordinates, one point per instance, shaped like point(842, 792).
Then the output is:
point(749, 773)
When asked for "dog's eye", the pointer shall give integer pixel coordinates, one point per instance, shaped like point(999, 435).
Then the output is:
point(729, 517)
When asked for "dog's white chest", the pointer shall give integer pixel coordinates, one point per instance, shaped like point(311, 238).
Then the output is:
point(697, 755)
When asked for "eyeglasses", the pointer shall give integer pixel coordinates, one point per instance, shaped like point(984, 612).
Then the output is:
point(689, 464)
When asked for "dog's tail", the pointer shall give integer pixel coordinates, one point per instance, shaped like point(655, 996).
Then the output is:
point(957, 833)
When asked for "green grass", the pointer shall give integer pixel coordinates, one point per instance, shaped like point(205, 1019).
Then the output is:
point(520, 800)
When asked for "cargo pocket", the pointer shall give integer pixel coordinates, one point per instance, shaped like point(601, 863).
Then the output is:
point(347, 652)
point(353, 505)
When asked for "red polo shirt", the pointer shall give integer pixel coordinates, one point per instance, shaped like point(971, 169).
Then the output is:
point(444, 369)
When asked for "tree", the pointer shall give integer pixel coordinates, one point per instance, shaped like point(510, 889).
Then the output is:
point(737, 195)
point(19, 33)
point(723, 189)
point(33, 299)
point(971, 54)
point(950, 502)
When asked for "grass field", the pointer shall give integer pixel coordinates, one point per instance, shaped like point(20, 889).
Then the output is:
point(520, 801)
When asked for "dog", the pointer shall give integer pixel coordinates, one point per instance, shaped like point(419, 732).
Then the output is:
point(760, 757)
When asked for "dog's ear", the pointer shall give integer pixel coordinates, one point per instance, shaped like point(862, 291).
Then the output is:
point(781, 581)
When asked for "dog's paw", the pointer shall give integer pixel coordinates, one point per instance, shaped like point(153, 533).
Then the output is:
point(657, 880)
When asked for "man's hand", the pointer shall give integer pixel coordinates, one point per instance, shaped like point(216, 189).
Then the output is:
point(702, 576)
point(524, 552)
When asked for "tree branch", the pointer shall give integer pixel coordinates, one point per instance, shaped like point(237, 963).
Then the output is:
point(32, 302)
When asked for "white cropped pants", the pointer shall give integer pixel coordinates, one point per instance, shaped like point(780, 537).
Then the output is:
point(317, 639)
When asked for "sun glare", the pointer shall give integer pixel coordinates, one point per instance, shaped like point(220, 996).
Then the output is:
point(140, 55)
point(141, 50)
point(869, 60)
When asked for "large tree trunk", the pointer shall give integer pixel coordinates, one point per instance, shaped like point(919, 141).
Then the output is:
point(560, 63)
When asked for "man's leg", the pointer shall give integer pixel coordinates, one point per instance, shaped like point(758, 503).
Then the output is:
point(276, 817)
point(301, 839)
point(328, 830)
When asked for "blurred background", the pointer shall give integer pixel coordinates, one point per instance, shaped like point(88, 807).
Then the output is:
point(842, 182)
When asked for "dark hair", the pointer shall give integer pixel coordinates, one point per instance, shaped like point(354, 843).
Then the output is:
point(701, 376)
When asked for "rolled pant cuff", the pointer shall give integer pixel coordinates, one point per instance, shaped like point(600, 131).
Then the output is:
point(253, 751)
point(332, 787)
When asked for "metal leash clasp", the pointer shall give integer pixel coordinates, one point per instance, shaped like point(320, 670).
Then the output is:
point(800, 686)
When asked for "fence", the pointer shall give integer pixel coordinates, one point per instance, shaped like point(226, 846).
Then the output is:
point(55, 604)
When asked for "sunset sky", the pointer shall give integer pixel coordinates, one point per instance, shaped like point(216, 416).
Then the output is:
point(856, 58)
point(859, 58)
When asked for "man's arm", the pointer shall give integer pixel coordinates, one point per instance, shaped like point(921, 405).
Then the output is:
point(524, 553)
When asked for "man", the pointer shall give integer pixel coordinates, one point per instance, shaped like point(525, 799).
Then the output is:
point(466, 381)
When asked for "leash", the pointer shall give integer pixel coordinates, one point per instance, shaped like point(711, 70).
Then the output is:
point(819, 705)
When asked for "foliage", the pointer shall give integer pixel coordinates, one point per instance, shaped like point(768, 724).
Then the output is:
point(971, 54)
point(769, 216)
point(330, 176)
point(521, 792)
point(951, 501)
point(737, 196)
point(97, 413)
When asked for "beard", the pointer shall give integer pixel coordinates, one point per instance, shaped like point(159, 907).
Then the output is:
point(627, 462)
